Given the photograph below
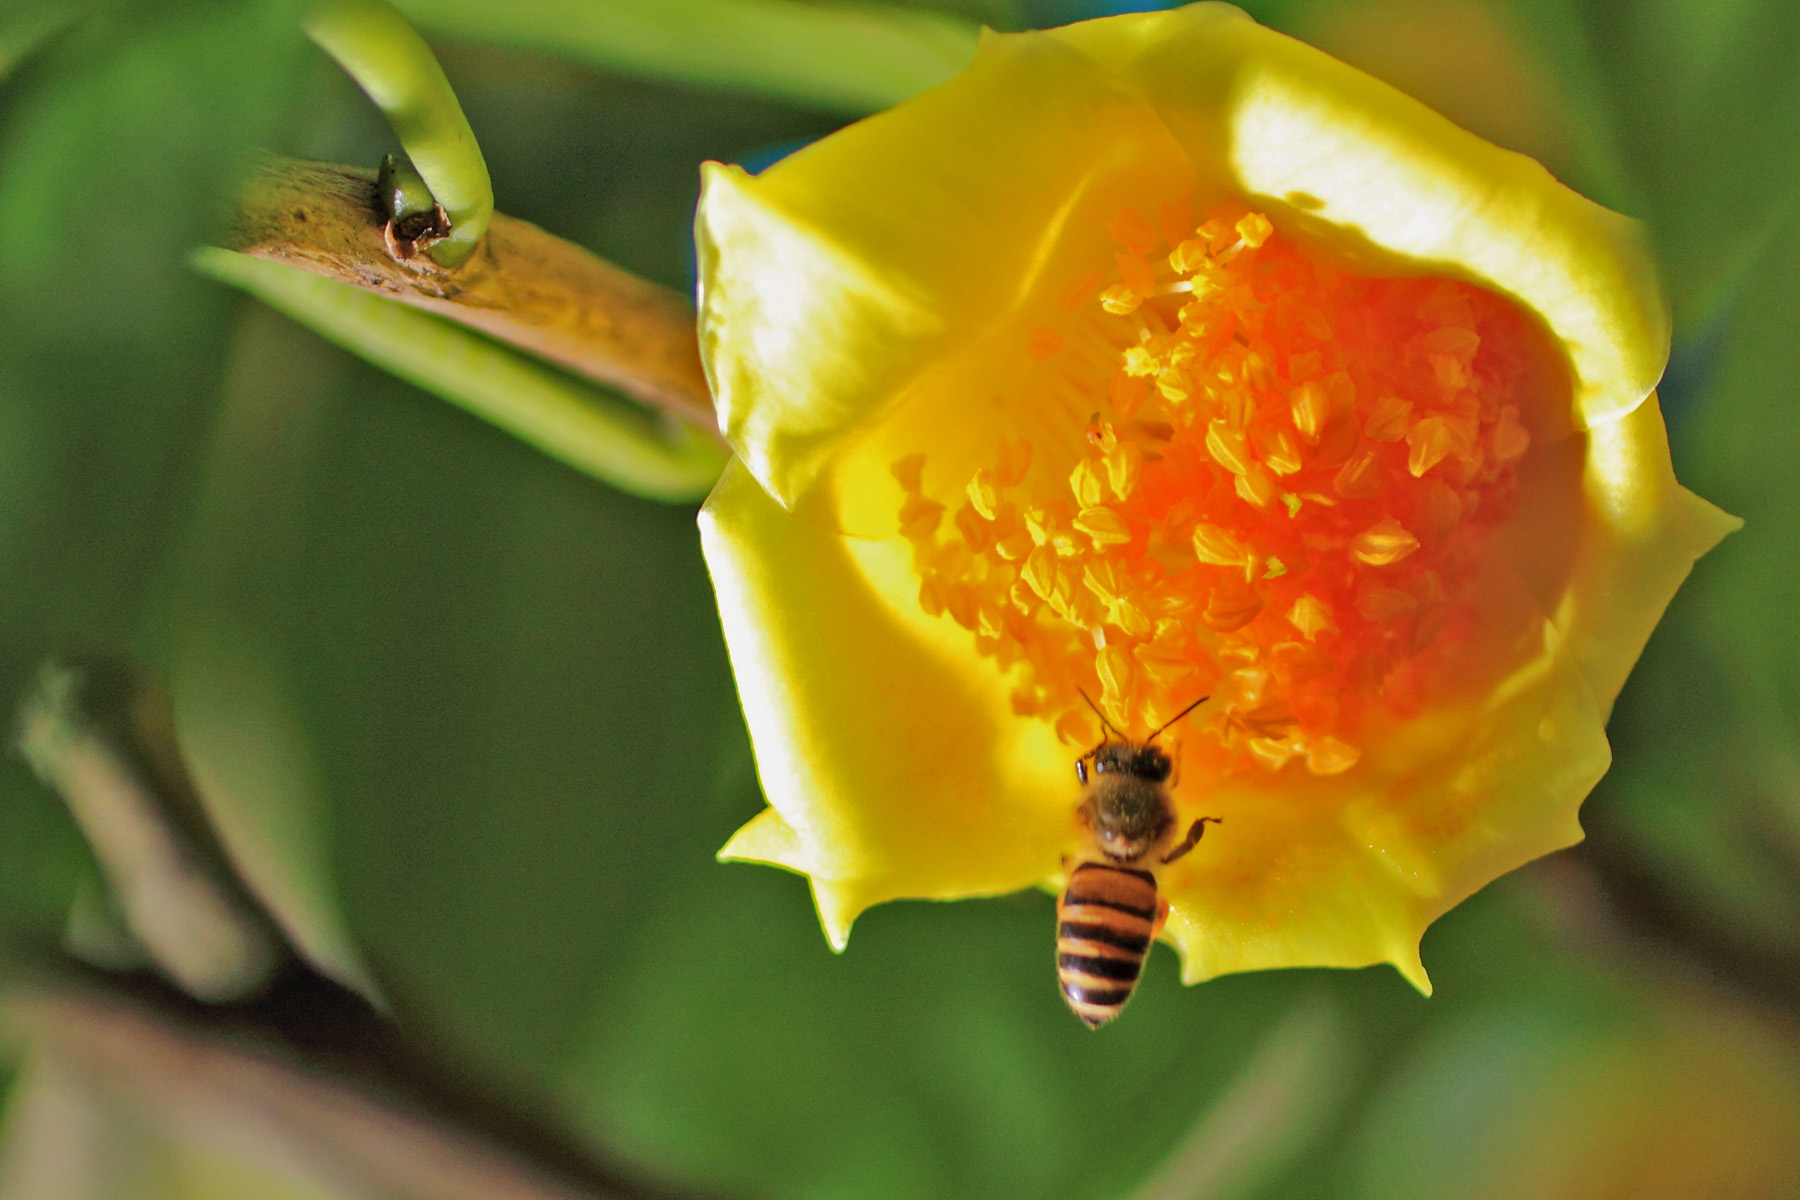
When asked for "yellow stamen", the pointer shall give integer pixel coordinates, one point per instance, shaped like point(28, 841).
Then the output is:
point(1280, 450)
point(1229, 447)
point(1173, 384)
point(1118, 676)
point(1188, 257)
point(1040, 571)
point(1088, 482)
point(1328, 756)
point(1430, 444)
point(1104, 525)
point(1120, 300)
point(1310, 406)
point(1256, 488)
point(1123, 462)
point(1384, 605)
point(1275, 502)
point(1229, 609)
point(1361, 477)
point(1383, 544)
point(1139, 361)
point(1219, 547)
point(1511, 439)
point(1389, 421)
point(1310, 616)
point(1255, 229)
point(984, 493)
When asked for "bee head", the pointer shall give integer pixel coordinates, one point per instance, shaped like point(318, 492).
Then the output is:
point(1139, 760)
point(1126, 807)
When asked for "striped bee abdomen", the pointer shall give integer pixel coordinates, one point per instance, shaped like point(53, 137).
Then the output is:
point(1104, 923)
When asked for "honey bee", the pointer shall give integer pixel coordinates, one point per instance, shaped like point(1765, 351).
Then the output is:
point(1110, 911)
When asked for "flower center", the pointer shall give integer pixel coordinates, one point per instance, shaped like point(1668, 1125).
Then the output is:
point(1280, 500)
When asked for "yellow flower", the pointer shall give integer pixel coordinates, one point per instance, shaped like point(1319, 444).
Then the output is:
point(1162, 356)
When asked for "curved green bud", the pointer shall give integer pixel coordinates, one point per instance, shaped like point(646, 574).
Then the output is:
point(391, 62)
point(402, 192)
point(414, 218)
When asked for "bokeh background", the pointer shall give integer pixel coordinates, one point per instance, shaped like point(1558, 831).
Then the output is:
point(469, 713)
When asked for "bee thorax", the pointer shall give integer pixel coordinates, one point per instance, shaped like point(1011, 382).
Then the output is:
point(1128, 816)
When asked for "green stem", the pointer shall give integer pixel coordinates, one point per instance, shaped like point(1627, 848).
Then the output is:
point(607, 438)
point(392, 63)
point(843, 57)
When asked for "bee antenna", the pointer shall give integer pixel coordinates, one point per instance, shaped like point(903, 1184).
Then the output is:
point(1103, 721)
point(1184, 712)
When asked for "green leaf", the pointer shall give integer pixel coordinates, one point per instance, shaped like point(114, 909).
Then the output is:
point(257, 774)
point(841, 57)
point(576, 424)
point(113, 144)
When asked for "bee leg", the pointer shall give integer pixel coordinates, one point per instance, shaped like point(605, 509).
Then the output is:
point(1192, 839)
point(1162, 918)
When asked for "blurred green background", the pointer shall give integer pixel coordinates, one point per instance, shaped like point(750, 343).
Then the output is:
point(471, 713)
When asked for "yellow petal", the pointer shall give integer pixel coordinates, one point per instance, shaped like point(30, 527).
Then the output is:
point(1472, 788)
point(846, 288)
point(1363, 171)
point(1349, 870)
point(888, 751)
point(768, 839)
point(1642, 535)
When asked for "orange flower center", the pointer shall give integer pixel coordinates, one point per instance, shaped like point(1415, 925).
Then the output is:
point(1280, 500)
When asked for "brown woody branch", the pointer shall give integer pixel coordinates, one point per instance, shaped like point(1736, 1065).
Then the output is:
point(524, 287)
point(309, 1075)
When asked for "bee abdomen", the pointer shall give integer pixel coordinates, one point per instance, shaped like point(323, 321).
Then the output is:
point(1105, 921)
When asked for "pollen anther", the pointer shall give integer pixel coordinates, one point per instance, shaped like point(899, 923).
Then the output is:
point(1276, 498)
point(1104, 525)
point(1120, 300)
point(1383, 544)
